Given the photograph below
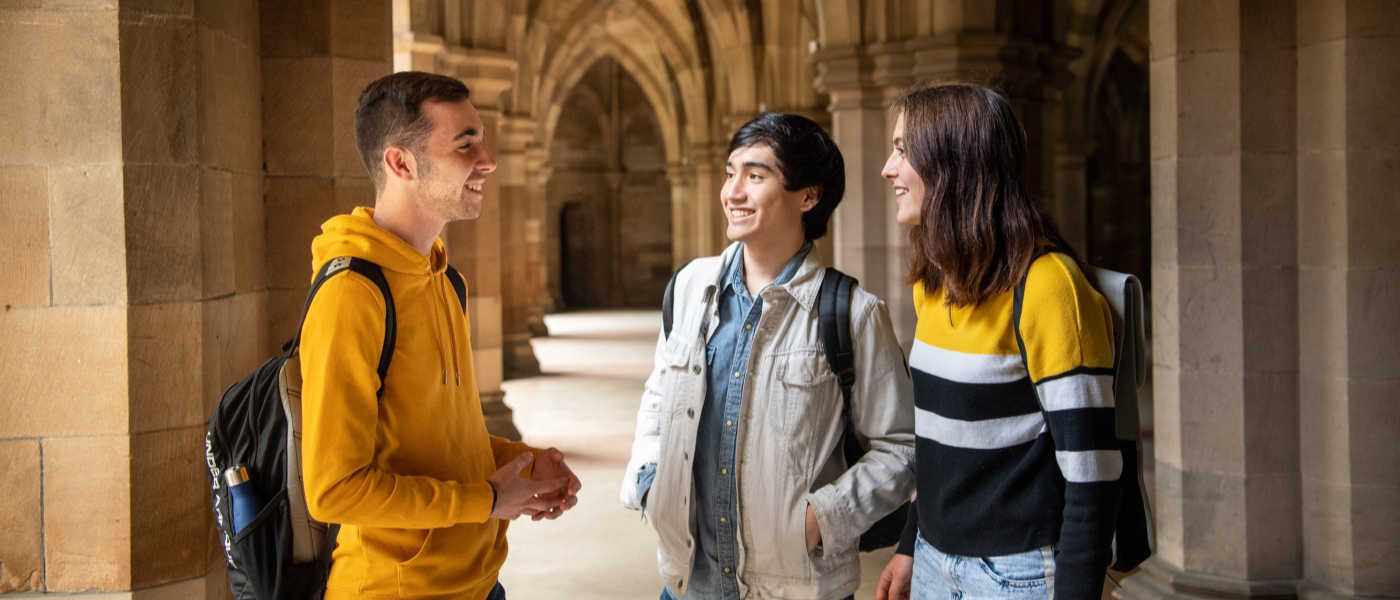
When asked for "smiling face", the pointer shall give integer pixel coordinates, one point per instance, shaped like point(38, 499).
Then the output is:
point(908, 186)
point(454, 161)
point(758, 208)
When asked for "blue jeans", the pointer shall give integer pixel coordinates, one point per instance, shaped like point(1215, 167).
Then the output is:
point(1022, 576)
point(667, 595)
point(497, 593)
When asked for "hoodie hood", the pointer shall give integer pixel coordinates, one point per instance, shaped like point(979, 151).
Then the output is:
point(357, 235)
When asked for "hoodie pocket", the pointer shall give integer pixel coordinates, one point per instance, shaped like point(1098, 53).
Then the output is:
point(410, 582)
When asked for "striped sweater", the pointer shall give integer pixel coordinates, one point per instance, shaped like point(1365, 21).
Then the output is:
point(1001, 468)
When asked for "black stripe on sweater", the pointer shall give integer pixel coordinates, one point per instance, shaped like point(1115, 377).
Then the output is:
point(973, 401)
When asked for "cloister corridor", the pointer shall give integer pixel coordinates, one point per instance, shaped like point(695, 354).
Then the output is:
point(584, 402)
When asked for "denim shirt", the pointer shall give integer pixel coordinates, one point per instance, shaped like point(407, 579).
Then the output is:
point(717, 548)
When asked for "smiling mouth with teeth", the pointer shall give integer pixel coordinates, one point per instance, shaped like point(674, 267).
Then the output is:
point(475, 187)
point(740, 212)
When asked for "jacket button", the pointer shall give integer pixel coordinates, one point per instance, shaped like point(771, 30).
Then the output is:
point(695, 369)
point(690, 412)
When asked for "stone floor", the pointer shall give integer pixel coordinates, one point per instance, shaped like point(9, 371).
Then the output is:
point(585, 404)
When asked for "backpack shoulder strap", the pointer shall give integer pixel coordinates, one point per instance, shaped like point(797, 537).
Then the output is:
point(459, 285)
point(668, 301)
point(834, 321)
point(1018, 300)
point(375, 274)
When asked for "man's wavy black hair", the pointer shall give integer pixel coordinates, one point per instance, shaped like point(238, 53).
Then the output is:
point(807, 157)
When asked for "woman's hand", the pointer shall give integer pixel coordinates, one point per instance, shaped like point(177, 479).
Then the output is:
point(895, 580)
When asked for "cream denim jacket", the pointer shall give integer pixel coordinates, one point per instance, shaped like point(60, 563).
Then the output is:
point(789, 441)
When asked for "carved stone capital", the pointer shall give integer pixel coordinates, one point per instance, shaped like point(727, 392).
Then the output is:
point(486, 72)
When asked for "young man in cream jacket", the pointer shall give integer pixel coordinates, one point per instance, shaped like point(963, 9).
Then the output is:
point(737, 460)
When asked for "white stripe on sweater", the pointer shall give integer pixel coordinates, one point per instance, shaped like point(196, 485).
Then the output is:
point(1084, 390)
point(986, 434)
point(1090, 465)
point(964, 367)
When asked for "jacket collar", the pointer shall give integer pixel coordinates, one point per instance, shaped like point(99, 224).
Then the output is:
point(802, 287)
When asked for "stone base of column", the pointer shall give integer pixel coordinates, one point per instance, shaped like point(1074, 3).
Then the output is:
point(519, 356)
point(537, 326)
point(1157, 579)
point(500, 419)
point(1312, 591)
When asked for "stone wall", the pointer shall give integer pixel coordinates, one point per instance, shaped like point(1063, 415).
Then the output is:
point(153, 269)
point(132, 184)
point(1274, 248)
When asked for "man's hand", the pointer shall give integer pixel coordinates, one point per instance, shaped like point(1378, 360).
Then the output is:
point(516, 495)
point(814, 531)
point(551, 466)
point(895, 580)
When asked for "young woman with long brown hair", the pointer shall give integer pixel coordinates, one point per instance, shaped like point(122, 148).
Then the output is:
point(1017, 465)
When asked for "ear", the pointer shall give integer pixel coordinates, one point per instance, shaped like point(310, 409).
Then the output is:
point(810, 197)
point(400, 163)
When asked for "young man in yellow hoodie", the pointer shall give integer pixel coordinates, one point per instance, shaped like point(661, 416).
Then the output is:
point(421, 490)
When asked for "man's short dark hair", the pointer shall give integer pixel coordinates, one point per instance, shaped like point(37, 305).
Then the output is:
point(390, 114)
point(807, 157)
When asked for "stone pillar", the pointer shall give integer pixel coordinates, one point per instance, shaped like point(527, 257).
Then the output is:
point(710, 224)
point(868, 243)
point(684, 229)
point(1225, 310)
point(316, 61)
point(1069, 190)
point(1349, 287)
point(537, 174)
point(514, 204)
point(476, 246)
point(132, 222)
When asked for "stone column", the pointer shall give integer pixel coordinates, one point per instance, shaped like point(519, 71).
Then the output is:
point(132, 220)
point(476, 246)
point(1349, 287)
point(316, 61)
point(1225, 311)
point(537, 174)
point(708, 165)
point(868, 243)
point(514, 205)
point(684, 230)
point(1069, 190)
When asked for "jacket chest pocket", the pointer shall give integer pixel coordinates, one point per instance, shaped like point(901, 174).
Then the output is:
point(804, 386)
point(683, 371)
point(795, 401)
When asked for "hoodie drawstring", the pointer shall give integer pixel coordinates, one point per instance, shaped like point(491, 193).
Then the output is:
point(445, 304)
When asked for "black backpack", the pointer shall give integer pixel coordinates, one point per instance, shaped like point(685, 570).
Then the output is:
point(834, 319)
point(1132, 531)
point(282, 553)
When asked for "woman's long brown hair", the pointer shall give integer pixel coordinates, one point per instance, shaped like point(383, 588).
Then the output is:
point(978, 227)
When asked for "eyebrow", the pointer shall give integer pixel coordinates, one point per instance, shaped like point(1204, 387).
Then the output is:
point(753, 164)
point(468, 132)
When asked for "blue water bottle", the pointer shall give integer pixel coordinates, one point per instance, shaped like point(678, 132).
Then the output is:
point(244, 498)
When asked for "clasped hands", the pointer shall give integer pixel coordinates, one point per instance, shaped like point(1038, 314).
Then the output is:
point(552, 489)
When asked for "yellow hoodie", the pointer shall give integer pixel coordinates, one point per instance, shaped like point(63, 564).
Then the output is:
point(404, 475)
